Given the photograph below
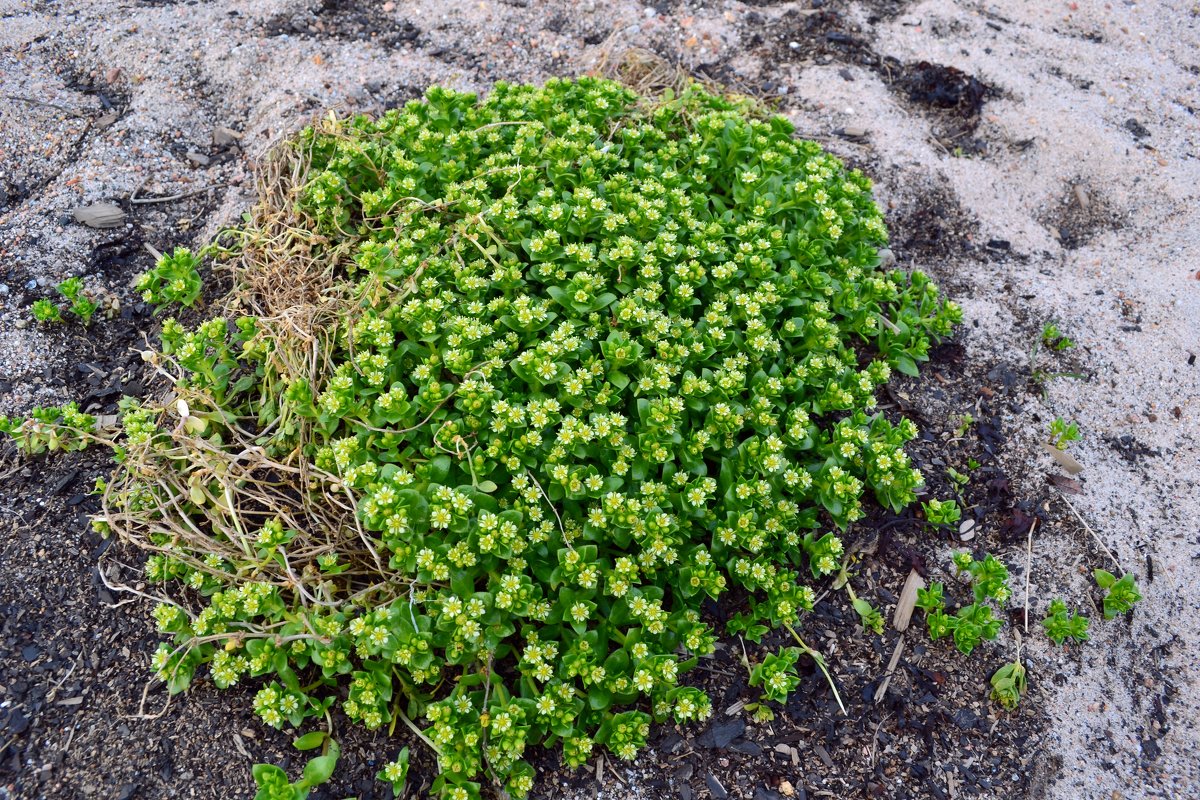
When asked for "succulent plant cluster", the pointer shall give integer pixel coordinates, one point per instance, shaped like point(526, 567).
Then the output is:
point(598, 358)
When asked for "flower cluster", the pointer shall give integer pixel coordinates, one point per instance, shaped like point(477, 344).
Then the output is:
point(777, 674)
point(174, 279)
point(49, 429)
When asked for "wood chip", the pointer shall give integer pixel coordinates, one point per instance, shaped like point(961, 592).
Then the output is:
point(71, 701)
point(100, 215)
point(240, 744)
point(198, 158)
point(735, 708)
point(908, 600)
point(1066, 484)
point(1064, 459)
point(891, 669)
point(106, 120)
point(1081, 197)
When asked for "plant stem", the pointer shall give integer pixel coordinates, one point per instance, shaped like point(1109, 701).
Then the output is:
point(419, 733)
point(820, 659)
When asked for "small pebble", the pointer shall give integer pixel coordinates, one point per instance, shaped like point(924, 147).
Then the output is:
point(966, 531)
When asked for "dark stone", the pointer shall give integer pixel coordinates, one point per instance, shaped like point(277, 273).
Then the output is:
point(1138, 130)
point(721, 734)
point(1151, 749)
point(17, 722)
point(715, 788)
point(670, 743)
point(965, 718)
point(747, 747)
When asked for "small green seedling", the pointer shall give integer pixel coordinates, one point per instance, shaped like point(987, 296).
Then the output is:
point(868, 615)
point(81, 306)
point(1009, 684)
point(1061, 625)
point(942, 512)
point(46, 312)
point(973, 624)
point(1062, 433)
point(1053, 339)
point(1121, 595)
point(977, 621)
point(273, 782)
point(964, 425)
point(958, 481)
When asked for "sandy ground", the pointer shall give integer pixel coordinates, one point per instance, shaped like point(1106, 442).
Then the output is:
point(1078, 189)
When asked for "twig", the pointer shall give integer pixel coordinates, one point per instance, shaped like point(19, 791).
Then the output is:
point(561, 529)
point(1088, 528)
point(875, 736)
point(142, 706)
point(139, 201)
point(890, 671)
point(31, 101)
point(613, 770)
point(1028, 569)
point(62, 680)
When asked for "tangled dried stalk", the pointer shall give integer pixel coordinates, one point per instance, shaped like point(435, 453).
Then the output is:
point(650, 75)
point(180, 494)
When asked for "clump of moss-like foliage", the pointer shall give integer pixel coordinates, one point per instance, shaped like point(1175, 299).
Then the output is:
point(510, 386)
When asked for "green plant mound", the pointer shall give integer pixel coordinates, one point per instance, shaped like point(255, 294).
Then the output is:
point(525, 380)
